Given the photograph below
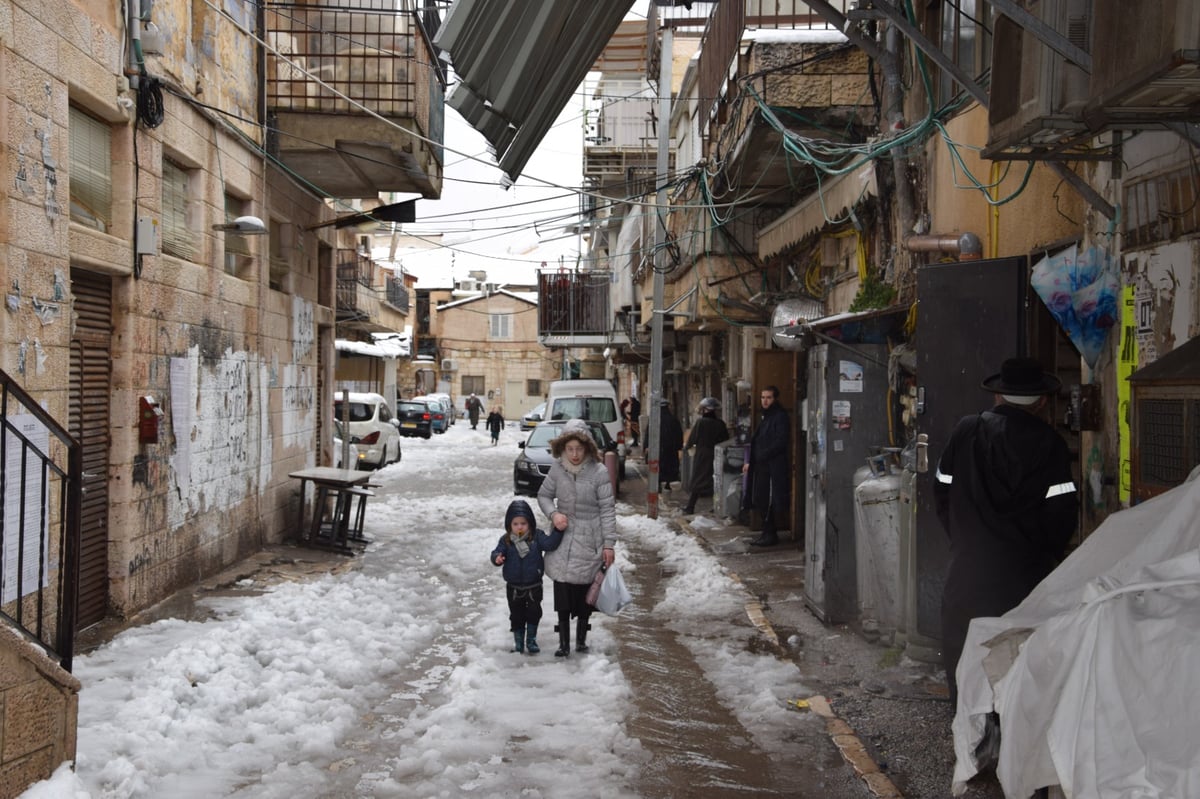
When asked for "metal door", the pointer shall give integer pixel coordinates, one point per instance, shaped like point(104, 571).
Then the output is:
point(972, 316)
point(90, 390)
point(814, 505)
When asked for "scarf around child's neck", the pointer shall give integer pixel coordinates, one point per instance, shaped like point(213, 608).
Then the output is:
point(520, 541)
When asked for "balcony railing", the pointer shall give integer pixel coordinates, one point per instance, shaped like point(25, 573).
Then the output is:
point(354, 290)
point(574, 304)
point(41, 475)
point(397, 295)
point(357, 93)
point(379, 58)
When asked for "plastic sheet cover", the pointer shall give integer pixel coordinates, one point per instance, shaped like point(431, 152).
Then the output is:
point(1094, 674)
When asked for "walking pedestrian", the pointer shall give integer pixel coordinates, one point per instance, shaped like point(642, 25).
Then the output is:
point(577, 498)
point(670, 441)
point(474, 408)
point(1005, 496)
point(494, 424)
point(706, 433)
point(767, 471)
point(631, 412)
point(520, 552)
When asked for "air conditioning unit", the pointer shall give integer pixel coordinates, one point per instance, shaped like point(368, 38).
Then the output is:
point(1157, 76)
point(1037, 95)
point(449, 365)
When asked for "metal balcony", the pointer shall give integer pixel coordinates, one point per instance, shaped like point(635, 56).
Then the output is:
point(356, 98)
point(574, 310)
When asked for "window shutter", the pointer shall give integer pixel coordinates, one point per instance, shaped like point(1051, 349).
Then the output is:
point(90, 178)
point(177, 236)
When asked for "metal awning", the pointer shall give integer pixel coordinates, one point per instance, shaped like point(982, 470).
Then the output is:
point(517, 65)
point(830, 201)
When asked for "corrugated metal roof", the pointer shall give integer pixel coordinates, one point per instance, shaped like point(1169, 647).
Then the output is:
point(519, 63)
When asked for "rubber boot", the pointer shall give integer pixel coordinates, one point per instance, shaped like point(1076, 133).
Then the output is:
point(581, 628)
point(518, 641)
point(564, 635)
point(531, 639)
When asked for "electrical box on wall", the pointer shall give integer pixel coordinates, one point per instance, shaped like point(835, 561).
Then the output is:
point(147, 236)
point(149, 417)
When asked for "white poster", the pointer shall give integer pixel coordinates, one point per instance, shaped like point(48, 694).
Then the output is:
point(28, 536)
point(850, 377)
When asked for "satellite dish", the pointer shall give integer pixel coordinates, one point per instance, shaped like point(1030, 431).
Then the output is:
point(787, 318)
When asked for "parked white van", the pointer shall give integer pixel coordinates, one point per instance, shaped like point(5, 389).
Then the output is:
point(589, 399)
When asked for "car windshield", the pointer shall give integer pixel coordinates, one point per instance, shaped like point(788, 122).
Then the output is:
point(539, 410)
point(596, 409)
point(419, 407)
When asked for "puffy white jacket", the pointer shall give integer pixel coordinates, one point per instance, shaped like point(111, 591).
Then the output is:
point(587, 501)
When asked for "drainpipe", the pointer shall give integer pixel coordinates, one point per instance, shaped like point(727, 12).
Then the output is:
point(893, 107)
point(967, 246)
point(133, 13)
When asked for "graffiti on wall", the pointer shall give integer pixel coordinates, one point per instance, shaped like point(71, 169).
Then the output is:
point(214, 414)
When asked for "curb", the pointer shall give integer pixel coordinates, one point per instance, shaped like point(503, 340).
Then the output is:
point(853, 750)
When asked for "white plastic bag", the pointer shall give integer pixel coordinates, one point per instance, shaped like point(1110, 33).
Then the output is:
point(613, 594)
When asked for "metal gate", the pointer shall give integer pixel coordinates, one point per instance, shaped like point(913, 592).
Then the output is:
point(89, 424)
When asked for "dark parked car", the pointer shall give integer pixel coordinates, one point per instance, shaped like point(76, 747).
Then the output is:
point(533, 463)
point(437, 412)
point(415, 419)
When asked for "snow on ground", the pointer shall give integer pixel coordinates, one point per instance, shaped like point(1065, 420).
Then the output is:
point(405, 656)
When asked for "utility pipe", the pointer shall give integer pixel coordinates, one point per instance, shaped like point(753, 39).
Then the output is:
point(967, 246)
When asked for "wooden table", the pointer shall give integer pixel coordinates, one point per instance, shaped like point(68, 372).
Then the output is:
point(344, 485)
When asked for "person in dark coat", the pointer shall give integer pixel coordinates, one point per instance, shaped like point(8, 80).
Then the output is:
point(767, 472)
point(1005, 496)
point(520, 553)
point(706, 433)
point(494, 424)
point(631, 411)
point(474, 408)
point(670, 441)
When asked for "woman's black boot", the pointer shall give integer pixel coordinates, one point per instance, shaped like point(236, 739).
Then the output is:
point(581, 628)
point(564, 635)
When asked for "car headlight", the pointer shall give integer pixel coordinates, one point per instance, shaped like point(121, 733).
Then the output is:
point(526, 465)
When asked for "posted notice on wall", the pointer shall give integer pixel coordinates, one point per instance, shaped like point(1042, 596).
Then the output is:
point(26, 513)
point(850, 377)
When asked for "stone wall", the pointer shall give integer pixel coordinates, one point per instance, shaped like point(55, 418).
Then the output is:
point(39, 709)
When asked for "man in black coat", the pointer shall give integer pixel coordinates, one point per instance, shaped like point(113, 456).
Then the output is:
point(1005, 496)
point(768, 474)
point(670, 441)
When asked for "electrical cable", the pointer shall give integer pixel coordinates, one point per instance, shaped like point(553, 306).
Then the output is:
point(150, 109)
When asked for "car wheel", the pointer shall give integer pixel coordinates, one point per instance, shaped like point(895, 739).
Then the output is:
point(399, 453)
point(427, 435)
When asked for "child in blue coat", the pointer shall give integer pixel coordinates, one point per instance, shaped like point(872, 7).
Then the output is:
point(520, 553)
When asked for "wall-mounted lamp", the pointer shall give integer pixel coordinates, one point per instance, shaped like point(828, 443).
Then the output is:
point(243, 226)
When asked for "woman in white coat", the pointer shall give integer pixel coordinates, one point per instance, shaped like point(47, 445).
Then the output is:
point(577, 498)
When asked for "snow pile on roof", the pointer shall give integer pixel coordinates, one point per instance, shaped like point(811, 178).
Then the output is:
point(386, 345)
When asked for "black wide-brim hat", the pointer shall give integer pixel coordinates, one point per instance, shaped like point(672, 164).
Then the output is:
point(1021, 377)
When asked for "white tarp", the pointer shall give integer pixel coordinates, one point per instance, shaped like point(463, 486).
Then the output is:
point(1102, 695)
